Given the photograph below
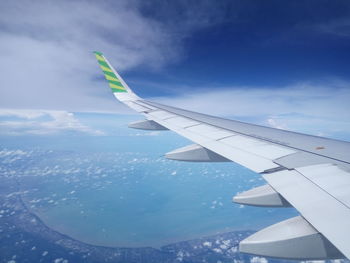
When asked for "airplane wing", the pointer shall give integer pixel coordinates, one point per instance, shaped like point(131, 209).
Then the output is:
point(309, 173)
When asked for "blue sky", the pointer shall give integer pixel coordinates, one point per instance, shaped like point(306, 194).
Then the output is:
point(269, 43)
point(278, 63)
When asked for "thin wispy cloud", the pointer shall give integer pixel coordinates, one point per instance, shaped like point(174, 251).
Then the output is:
point(336, 28)
point(305, 107)
point(46, 50)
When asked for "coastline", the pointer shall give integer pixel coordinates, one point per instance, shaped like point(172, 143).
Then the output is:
point(22, 220)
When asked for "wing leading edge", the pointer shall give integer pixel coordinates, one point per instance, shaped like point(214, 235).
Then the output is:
point(307, 172)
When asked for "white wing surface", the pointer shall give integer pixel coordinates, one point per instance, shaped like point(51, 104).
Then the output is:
point(307, 172)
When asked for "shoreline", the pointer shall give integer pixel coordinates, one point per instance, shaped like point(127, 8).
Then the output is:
point(154, 245)
point(35, 234)
point(206, 235)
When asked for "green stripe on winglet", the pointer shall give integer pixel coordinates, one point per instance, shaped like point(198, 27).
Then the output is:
point(118, 90)
point(98, 53)
point(110, 74)
point(102, 63)
point(116, 83)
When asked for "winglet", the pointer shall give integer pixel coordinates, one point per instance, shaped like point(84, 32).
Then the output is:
point(115, 82)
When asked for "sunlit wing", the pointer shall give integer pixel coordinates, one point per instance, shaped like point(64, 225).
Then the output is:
point(310, 173)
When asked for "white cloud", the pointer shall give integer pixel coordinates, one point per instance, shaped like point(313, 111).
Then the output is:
point(274, 123)
point(207, 244)
point(31, 122)
point(258, 260)
point(151, 133)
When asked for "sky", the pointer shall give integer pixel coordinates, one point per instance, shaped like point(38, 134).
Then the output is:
point(283, 64)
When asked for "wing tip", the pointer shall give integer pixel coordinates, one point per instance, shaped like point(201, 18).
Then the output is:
point(97, 53)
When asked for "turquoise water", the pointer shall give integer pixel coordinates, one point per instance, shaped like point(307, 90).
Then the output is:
point(120, 191)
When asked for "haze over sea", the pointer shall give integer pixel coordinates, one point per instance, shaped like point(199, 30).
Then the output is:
point(120, 190)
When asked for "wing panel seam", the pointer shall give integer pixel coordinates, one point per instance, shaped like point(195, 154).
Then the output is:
point(322, 189)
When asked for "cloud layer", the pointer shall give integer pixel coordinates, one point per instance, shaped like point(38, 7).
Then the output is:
point(304, 107)
point(46, 48)
point(46, 63)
